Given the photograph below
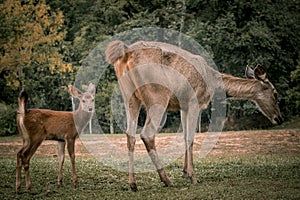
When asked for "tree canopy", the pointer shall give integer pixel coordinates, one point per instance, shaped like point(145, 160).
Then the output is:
point(43, 43)
point(30, 38)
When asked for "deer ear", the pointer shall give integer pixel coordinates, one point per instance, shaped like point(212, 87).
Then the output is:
point(260, 73)
point(249, 73)
point(91, 88)
point(74, 92)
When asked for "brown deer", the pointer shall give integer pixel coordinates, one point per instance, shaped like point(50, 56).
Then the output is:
point(162, 77)
point(36, 125)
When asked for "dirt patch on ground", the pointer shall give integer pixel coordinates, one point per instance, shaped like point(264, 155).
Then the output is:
point(258, 142)
point(282, 142)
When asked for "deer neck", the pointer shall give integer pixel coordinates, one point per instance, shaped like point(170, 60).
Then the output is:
point(240, 88)
point(82, 118)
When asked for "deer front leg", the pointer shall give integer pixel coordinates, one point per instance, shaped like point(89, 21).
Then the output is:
point(70, 146)
point(184, 128)
point(61, 158)
point(189, 122)
point(190, 165)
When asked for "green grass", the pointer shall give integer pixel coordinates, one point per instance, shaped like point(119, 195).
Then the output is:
point(243, 177)
point(292, 123)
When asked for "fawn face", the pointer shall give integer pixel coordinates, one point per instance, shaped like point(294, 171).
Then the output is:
point(87, 102)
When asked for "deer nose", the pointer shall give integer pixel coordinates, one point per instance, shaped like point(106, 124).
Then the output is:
point(279, 120)
point(90, 109)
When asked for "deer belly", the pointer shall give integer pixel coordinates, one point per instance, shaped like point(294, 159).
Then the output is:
point(55, 137)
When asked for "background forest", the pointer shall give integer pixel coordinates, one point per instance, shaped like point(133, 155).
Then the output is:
point(43, 44)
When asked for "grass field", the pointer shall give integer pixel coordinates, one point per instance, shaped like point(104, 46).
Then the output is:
point(243, 165)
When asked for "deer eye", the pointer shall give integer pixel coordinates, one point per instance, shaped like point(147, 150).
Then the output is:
point(276, 96)
point(83, 101)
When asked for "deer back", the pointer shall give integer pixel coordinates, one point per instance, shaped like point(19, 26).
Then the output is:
point(54, 125)
point(171, 71)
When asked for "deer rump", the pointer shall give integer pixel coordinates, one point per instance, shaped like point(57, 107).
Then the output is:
point(159, 73)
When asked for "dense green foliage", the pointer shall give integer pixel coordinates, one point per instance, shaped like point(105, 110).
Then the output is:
point(294, 91)
point(235, 32)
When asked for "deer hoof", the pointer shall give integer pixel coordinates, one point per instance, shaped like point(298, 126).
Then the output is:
point(185, 175)
point(193, 180)
point(168, 183)
point(133, 187)
point(29, 190)
point(59, 183)
point(32, 192)
point(19, 191)
point(76, 184)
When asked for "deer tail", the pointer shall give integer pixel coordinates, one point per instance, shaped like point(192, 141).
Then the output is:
point(115, 50)
point(22, 109)
point(22, 102)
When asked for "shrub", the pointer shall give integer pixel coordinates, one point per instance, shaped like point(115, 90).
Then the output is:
point(8, 119)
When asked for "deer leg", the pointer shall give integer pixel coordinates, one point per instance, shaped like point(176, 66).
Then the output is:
point(132, 114)
point(183, 122)
point(131, 130)
point(154, 116)
point(19, 168)
point(130, 144)
point(190, 166)
point(61, 158)
point(190, 119)
point(18, 173)
point(25, 159)
point(71, 147)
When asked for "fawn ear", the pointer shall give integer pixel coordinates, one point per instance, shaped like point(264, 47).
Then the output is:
point(74, 92)
point(260, 73)
point(249, 73)
point(91, 88)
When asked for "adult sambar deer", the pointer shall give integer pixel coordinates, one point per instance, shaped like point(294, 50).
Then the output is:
point(36, 125)
point(163, 77)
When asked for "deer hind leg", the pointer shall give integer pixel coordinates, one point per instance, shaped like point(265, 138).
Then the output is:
point(132, 118)
point(61, 158)
point(20, 155)
point(189, 122)
point(70, 146)
point(154, 116)
point(24, 157)
point(130, 145)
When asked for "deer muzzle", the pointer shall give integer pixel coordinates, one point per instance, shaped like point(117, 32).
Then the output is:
point(278, 120)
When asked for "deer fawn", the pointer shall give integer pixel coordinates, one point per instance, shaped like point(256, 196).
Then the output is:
point(36, 125)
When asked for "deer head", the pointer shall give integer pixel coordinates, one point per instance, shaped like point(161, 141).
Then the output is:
point(86, 99)
point(266, 97)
